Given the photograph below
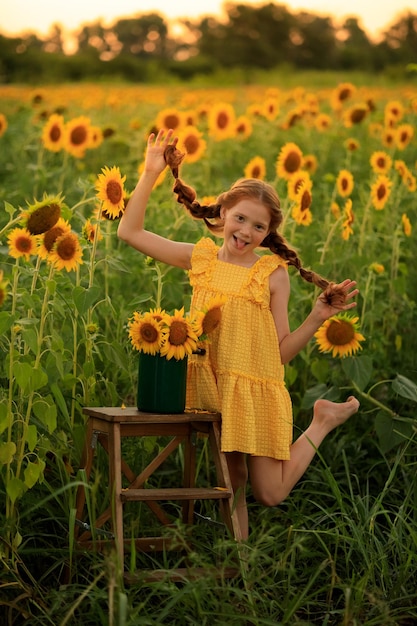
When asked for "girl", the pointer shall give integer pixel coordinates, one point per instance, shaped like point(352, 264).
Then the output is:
point(242, 373)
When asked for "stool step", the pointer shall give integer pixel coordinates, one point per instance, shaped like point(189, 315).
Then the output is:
point(186, 493)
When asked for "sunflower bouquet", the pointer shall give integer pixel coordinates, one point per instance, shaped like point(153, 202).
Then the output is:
point(174, 335)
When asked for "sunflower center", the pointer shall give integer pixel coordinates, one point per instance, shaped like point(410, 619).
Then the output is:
point(381, 192)
point(43, 218)
point(222, 120)
point(114, 192)
point(178, 333)
point(211, 320)
point(55, 133)
point(51, 236)
point(191, 144)
point(256, 171)
point(292, 162)
point(23, 244)
point(172, 121)
point(79, 135)
point(305, 201)
point(340, 333)
point(148, 333)
point(66, 248)
point(357, 115)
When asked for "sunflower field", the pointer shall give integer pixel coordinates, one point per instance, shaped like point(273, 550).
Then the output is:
point(342, 550)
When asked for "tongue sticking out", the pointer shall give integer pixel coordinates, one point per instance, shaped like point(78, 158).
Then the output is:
point(239, 244)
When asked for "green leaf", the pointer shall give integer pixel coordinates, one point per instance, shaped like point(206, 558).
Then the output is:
point(6, 322)
point(320, 370)
point(32, 473)
point(15, 487)
point(22, 373)
point(358, 369)
point(9, 208)
point(405, 387)
point(4, 422)
point(319, 391)
point(7, 452)
point(32, 437)
point(46, 411)
point(85, 298)
point(391, 432)
point(60, 400)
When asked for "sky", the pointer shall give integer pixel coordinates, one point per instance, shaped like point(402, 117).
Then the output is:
point(19, 16)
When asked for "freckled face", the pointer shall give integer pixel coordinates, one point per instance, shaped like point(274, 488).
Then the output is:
point(245, 227)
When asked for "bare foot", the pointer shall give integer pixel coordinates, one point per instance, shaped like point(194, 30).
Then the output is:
point(332, 414)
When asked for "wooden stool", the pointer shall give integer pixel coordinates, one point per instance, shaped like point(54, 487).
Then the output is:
point(107, 426)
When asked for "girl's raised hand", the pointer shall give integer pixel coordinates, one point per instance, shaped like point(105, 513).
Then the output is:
point(154, 160)
point(336, 298)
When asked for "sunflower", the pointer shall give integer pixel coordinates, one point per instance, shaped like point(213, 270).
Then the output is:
point(347, 229)
point(222, 121)
point(145, 333)
point(335, 210)
point(388, 137)
point(3, 289)
point(53, 134)
point(403, 135)
point(270, 109)
point(322, 122)
point(255, 168)
point(294, 183)
point(377, 268)
point(339, 335)
point(292, 117)
point(244, 127)
point(301, 212)
point(110, 190)
point(351, 144)
point(169, 118)
point(48, 239)
point(407, 228)
point(92, 231)
point(343, 92)
point(206, 321)
point(355, 114)
point(3, 124)
point(380, 162)
point(43, 214)
point(394, 110)
point(345, 183)
point(192, 143)
point(66, 252)
point(380, 191)
point(21, 243)
point(289, 160)
point(97, 137)
point(78, 136)
point(309, 163)
point(179, 339)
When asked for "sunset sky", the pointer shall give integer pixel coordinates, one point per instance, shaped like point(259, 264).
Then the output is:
point(18, 16)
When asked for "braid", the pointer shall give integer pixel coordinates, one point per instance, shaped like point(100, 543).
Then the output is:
point(186, 195)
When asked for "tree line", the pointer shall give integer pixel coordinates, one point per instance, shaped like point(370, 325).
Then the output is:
point(270, 36)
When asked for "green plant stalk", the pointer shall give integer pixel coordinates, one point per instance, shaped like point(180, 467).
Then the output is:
point(373, 400)
point(329, 238)
point(363, 227)
point(74, 356)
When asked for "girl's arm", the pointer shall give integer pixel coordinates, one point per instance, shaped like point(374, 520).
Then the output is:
point(131, 226)
point(291, 343)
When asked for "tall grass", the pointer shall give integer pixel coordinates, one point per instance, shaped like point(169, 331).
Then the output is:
point(342, 549)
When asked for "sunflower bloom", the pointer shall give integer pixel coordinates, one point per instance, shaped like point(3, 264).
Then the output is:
point(394, 110)
point(347, 229)
point(388, 137)
point(403, 135)
point(43, 214)
point(21, 243)
point(270, 109)
point(3, 124)
point(351, 144)
point(323, 122)
point(255, 168)
point(294, 183)
point(92, 231)
point(53, 133)
point(192, 143)
point(179, 338)
point(339, 335)
point(380, 191)
point(289, 160)
point(78, 136)
point(407, 228)
point(341, 94)
point(49, 238)
point(345, 183)
point(355, 115)
point(206, 321)
point(110, 190)
point(310, 163)
point(377, 268)
point(66, 252)
point(301, 212)
point(145, 333)
point(380, 162)
point(222, 121)
point(169, 118)
point(244, 127)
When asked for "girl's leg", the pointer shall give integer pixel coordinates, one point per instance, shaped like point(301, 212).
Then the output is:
point(272, 480)
point(238, 471)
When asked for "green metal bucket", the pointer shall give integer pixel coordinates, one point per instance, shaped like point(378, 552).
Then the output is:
point(161, 384)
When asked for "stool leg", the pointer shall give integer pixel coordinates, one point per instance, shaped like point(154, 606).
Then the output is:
point(115, 485)
point(223, 477)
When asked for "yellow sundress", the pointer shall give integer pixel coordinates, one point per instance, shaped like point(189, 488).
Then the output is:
point(241, 374)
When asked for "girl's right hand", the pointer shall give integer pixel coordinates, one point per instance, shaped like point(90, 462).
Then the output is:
point(154, 159)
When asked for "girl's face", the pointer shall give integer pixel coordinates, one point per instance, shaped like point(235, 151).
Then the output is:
point(246, 225)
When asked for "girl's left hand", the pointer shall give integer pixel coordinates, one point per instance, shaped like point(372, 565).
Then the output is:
point(336, 298)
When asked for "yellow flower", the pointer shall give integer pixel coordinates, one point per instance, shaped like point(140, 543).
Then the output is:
point(355, 115)
point(222, 121)
point(48, 239)
point(344, 183)
point(294, 183)
point(243, 127)
point(309, 163)
point(380, 191)
point(351, 144)
point(78, 136)
point(270, 108)
point(349, 219)
point(21, 243)
point(289, 160)
point(92, 231)
point(394, 110)
point(145, 333)
point(380, 162)
point(53, 134)
point(43, 214)
point(339, 335)
point(179, 338)
point(322, 122)
point(406, 225)
point(388, 137)
point(206, 321)
point(301, 212)
point(403, 135)
point(169, 118)
point(192, 143)
point(255, 168)
point(110, 190)
point(378, 268)
point(66, 252)
point(343, 92)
